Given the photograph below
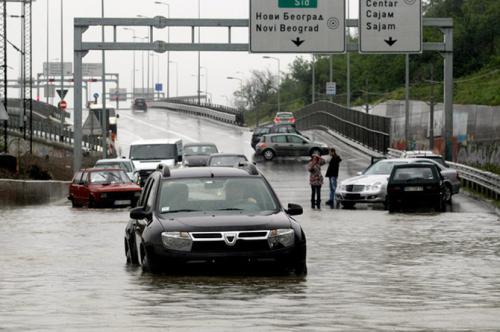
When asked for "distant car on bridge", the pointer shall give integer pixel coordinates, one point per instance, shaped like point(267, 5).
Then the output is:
point(425, 154)
point(272, 129)
point(284, 118)
point(288, 145)
point(139, 104)
point(102, 187)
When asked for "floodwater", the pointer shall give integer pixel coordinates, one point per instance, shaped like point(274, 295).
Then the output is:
point(65, 269)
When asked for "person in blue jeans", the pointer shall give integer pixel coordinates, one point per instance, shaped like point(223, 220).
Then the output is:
point(332, 173)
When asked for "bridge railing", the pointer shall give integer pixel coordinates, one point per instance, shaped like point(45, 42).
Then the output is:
point(478, 180)
point(213, 111)
point(51, 131)
point(369, 130)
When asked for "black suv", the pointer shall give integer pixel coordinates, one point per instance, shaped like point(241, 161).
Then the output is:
point(272, 129)
point(139, 104)
point(216, 217)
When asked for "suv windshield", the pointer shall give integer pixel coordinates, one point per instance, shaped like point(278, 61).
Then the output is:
point(109, 177)
point(382, 167)
point(217, 194)
point(153, 151)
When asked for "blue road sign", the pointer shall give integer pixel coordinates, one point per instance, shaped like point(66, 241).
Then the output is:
point(96, 95)
point(158, 87)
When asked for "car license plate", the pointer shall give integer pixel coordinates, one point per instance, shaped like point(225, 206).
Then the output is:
point(414, 189)
point(123, 202)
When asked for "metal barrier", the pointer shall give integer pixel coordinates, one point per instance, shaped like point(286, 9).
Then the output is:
point(51, 131)
point(478, 180)
point(369, 130)
point(216, 112)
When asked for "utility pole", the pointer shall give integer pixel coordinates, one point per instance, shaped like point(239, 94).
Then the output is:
point(407, 100)
point(431, 112)
point(104, 113)
point(47, 55)
point(331, 73)
point(62, 69)
point(199, 56)
point(313, 79)
point(5, 79)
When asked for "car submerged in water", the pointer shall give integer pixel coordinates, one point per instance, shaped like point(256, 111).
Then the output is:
point(213, 217)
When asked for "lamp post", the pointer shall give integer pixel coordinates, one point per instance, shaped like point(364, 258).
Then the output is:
point(206, 79)
point(133, 57)
point(104, 110)
point(153, 83)
point(279, 78)
point(148, 82)
point(47, 55)
point(176, 77)
point(199, 54)
point(142, 65)
point(168, 42)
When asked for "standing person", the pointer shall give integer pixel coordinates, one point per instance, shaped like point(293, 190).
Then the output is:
point(332, 173)
point(315, 179)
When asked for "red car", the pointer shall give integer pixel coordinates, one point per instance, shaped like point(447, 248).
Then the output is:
point(98, 187)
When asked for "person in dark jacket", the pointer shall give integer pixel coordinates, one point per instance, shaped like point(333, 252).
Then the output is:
point(332, 173)
point(315, 179)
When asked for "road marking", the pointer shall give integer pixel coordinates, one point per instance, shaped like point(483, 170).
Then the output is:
point(161, 129)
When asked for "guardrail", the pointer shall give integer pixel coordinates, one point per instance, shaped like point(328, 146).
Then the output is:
point(215, 112)
point(478, 180)
point(368, 130)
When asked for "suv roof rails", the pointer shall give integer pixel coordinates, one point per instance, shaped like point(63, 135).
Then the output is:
point(164, 170)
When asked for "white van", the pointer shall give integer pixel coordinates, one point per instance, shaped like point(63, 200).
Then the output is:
point(148, 154)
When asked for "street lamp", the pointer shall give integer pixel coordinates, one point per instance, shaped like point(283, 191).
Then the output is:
point(279, 78)
point(148, 65)
point(142, 55)
point(153, 83)
point(168, 52)
point(176, 77)
point(133, 75)
point(206, 78)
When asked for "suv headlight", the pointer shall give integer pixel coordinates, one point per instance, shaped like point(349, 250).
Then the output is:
point(284, 237)
point(177, 241)
point(343, 187)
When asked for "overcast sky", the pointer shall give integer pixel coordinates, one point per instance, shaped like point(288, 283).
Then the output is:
point(219, 65)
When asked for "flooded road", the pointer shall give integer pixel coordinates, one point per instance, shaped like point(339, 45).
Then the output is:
point(65, 269)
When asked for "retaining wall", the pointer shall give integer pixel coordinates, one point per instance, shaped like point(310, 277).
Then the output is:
point(20, 192)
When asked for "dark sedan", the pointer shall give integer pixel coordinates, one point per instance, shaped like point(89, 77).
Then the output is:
point(213, 217)
point(197, 154)
point(415, 185)
point(139, 104)
point(99, 187)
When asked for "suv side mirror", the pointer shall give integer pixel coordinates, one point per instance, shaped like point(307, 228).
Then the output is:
point(138, 213)
point(294, 210)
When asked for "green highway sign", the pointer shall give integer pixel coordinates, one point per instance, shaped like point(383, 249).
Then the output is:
point(297, 3)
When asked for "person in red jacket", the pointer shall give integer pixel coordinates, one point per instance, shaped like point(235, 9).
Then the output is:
point(315, 179)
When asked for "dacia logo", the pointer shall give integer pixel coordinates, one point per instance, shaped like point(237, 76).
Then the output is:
point(230, 238)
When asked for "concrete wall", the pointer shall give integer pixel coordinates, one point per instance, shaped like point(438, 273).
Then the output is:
point(19, 192)
point(476, 130)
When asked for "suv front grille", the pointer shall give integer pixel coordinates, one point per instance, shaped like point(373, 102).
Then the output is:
point(237, 241)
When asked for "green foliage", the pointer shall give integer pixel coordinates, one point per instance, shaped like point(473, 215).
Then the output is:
point(376, 78)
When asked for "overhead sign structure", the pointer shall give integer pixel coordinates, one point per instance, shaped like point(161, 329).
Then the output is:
point(91, 69)
point(297, 26)
point(55, 69)
point(390, 26)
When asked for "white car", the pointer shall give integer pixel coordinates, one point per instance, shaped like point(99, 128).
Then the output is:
point(125, 164)
point(370, 186)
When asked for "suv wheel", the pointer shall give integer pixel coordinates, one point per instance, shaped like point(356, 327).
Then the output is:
point(268, 154)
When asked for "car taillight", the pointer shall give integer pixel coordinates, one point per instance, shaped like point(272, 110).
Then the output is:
point(277, 120)
point(262, 145)
point(292, 120)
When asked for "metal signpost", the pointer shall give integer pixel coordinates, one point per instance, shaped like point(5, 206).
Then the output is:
point(297, 26)
point(390, 26)
point(331, 88)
